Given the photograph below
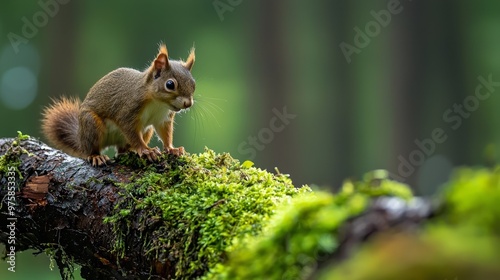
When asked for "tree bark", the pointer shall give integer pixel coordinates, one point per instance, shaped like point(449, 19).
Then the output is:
point(60, 202)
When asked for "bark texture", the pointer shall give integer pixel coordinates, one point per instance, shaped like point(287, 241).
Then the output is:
point(60, 204)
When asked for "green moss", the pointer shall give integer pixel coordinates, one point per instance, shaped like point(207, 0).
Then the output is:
point(57, 255)
point(131, 159)
point(303, 229)
point(195, 207)
point(10, 159)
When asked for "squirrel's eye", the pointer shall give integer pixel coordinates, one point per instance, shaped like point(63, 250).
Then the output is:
point(170, 85)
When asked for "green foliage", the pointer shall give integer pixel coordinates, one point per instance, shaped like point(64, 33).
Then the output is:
point(302, 230)
point(440, 252)
point(192, 211)
point(460, 243)
point(21, 136)
point(472, 198)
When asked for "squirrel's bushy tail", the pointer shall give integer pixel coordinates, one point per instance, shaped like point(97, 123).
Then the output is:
point(60, 125)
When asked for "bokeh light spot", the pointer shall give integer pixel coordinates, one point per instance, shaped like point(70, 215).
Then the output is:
point(18, 88)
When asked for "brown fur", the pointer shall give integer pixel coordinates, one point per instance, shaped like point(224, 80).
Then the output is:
point(122, 109)
point(60, 125)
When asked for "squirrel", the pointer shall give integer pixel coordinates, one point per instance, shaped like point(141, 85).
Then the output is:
point(123, 109)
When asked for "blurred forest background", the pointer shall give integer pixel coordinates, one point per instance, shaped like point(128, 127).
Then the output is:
point(406, 78)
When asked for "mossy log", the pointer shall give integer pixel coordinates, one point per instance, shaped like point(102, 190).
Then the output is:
point(178, 218)
point(131, 219)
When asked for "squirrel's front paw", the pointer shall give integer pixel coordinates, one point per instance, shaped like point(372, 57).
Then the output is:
point(150, 153)
point(98, 160)
point(175, 151)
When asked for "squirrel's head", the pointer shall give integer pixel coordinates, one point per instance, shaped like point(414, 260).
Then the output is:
point(171, 80)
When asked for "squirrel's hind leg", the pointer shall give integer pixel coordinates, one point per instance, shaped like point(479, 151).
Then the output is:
point(90, 132)
point(123, 149)
point(98, 160)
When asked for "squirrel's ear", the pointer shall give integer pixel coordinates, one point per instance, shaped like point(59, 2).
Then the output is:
point(190, 60)
point(161, 61)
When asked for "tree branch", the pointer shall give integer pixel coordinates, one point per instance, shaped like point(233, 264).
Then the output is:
point(60, 203)
point(177, 226)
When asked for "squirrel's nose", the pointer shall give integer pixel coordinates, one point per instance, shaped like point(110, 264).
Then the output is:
point(188, 103)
